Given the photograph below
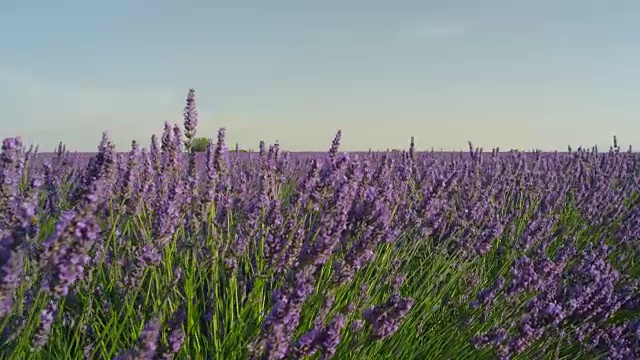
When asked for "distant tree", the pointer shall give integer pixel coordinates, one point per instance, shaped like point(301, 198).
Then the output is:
point(200, 144)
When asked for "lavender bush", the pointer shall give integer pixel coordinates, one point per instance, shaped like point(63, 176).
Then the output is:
point(166, 253)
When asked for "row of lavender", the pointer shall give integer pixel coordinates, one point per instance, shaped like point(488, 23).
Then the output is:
point(273, 256)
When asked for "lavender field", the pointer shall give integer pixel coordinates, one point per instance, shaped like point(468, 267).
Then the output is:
point(165, 253)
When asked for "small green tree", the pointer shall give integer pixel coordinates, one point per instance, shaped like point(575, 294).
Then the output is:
point(199, 144)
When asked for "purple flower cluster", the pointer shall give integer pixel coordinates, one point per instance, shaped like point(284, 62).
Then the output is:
point(276, 255)
point(569, 298)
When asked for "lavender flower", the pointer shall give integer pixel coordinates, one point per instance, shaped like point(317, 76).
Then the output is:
point(386, 319)
point(190, 118)
point(147, 343)
point(44, 329)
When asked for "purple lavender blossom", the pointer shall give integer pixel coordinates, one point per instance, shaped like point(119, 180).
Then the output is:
point(190, 118)
point(147, 343)
point(385, 319)
point(44, 329)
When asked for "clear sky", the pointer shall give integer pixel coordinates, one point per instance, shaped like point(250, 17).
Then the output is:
point(510, 73)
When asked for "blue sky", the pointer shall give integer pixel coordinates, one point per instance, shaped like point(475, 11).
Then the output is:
point(510, 73)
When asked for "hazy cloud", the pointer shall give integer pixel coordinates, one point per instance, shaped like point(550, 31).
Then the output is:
point(79, 111)
point(434, 30)
point(85, 94)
